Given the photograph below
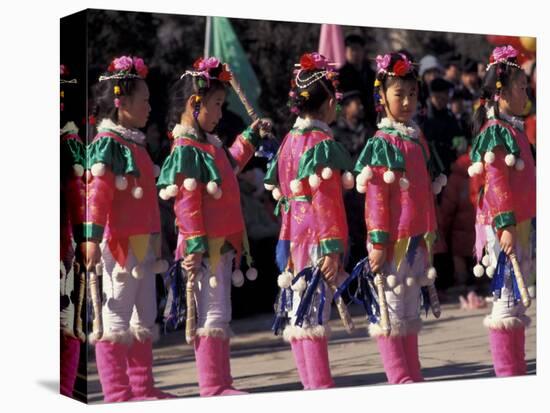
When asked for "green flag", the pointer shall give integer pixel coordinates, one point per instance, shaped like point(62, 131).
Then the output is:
point(225, 46)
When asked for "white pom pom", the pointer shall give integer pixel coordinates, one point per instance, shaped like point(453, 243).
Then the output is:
point(431, 274)
point(211, 187)
point(163, 195)
point(389, 177)
point(296, 186)
point(520, 165)
point(160, 266)
point(299, 285)
point(361, 188)
point(251, 274)
point(478, 168)
point(410, 281)
point(367, 172)
point(398, 289)
point(479, 270)
point(121, 183)
point(442, 178)
point(98, 169)
point(172, 190)
point(269, 187)
point(348, 180)
point(510, 159)
point(138, 272)
point(237, 278)
point(314, 181)
point(284, 280)
point(490, 271)
point(391, 281)
point(190, 184)
point(78, 170)
point(489, 157)
point(326, 173)
point(486, 260)
point(471, 171)
point(218, 194)
point(156, 171)
point(436, 187)
point(137, 192)
point(362, 179)
point(404, 183)
point(213, 282)
point(276, 194)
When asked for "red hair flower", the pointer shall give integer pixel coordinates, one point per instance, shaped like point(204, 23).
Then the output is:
point(225, 75)
point(307, 62)
point(197, 63)
point(400, 68)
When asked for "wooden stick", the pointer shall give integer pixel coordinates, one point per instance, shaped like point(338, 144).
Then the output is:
point(96, 294)
point(434, 301)
point(525, 298)
point(343, 311)
point(190, 321)
point(380, 281)
point(240, 93)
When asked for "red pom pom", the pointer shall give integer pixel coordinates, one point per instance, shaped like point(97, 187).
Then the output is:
point(307, 62)
point(400, 68)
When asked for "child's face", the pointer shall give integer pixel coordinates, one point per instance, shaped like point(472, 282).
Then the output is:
point(134, 110)
point(514, 96)
point(211, 110)
point(400, 100)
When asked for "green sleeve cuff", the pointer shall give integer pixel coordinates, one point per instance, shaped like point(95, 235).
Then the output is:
point(251, 136)
point(88, 231)
point(504, 219)
point(379, 237)
point(196, 244)
point(332, 246)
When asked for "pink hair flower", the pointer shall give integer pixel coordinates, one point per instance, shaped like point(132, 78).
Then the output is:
point(209, 63)
point(140, 66)
point(338, 95)
point(504, 53)
point(382, 62)
point(123, 63)
point(319, 60)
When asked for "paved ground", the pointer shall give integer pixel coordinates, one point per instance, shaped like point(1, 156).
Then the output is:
point(455, 346)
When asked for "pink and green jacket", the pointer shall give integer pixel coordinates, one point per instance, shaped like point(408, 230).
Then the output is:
point(73, 188)
point(399, 212)
point(122, 204)
point(507, 167)
point(313, 218)
point(208, 224)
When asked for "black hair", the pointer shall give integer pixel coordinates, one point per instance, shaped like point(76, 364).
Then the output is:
point(182, 90)
point(308, 100)
point(354, 39)
point(498, 72)
point(104, 96)
point(386, 81)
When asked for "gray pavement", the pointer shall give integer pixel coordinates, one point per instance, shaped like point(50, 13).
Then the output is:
point(452, 347)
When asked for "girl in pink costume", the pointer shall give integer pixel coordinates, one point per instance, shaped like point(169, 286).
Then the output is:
point(200, 173)
point(73, 195)
point(306, 180)
point(122, 230)
point(506, 211)
point(394, 172)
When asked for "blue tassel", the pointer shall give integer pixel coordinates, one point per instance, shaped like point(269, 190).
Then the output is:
point(515, 288)
point(365, 293)
point(304, 309)
point(175, 277)
point(411, 251)
point(281, 316)
point(267, 149)
point(282, 254)
point(425, 299)
point(321, 304)
point(497, 282)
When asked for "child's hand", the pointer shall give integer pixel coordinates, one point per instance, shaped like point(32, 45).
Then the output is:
point(262, 126)
point(89, 254)
point(377, 257)
point(330, 266)
point(192, 262)
point(507, 239)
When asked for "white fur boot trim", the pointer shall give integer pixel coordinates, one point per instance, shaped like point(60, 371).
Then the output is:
point(506, 323)
point(122, 337)
point(299, 333)
point(212, 332)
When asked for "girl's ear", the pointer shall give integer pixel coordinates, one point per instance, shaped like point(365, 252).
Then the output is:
point(382, 97)
point(190, 105)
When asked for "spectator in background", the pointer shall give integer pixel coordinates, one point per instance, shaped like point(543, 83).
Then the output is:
point(439, 124)
point(462, 117)
point(452, 69)
point(429, 69)
point(356, 74)
point(470, 84)
point(350, 129)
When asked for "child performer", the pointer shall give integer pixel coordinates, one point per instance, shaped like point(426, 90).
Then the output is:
point(505, 223)
point(399, 213)
point(200, 173)
point(123, 227)
point(306, 179)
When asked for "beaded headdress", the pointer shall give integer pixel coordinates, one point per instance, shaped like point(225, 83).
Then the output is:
point(124, 67)
point(401, 67)
point(502, 56)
